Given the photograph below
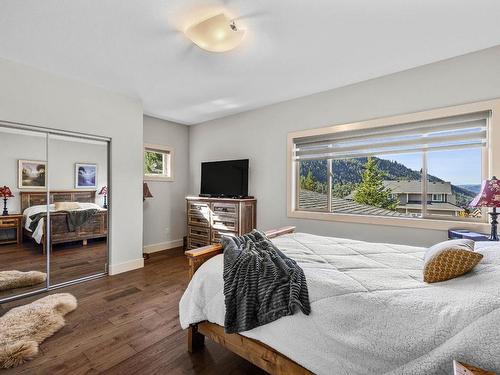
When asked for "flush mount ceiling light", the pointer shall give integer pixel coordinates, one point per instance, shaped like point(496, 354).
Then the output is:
point(215, 34)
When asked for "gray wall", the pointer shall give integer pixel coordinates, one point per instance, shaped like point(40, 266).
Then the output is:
point(261, 134)
point(38, 98)
point(164, 214)
point(63, 156)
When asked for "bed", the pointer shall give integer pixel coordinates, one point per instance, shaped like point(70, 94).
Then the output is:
point(33, 202)
point(371, 311)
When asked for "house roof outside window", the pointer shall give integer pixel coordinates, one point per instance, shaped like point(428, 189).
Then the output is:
point(313, 200)
point(415, 187)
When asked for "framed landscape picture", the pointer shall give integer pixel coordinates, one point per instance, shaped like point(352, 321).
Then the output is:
point(32, 174)
point(85, 176)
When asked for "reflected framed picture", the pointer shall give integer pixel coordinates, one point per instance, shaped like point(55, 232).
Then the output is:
point(32, 174)
point(85, 176)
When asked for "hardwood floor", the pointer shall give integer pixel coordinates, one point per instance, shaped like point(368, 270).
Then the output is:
point(69, 261)
point(129, 324)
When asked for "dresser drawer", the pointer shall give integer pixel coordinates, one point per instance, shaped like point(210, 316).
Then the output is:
point(199, 220)
point(199, 232)
point(225, 223)
point(225, 208)
point(217, 234)
point(197, 208)
point(8, 223)
point(194, 242)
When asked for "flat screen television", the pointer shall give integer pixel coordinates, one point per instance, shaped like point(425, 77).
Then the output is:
point(227, 178)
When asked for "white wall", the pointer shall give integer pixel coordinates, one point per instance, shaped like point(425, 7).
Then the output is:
point(261, 134)
point(63, 156)
point(165, 213)
point(35, 97)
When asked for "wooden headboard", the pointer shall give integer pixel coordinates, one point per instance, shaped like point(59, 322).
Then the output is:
point(35, 198)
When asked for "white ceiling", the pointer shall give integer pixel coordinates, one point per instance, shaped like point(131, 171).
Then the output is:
point(292, 48)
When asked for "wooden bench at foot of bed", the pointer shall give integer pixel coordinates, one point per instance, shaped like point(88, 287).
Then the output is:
point(253, 351)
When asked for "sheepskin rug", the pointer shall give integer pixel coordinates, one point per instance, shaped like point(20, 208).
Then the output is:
point(17, 279)
point(24, 327)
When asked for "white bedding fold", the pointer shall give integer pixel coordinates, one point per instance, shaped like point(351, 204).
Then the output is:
point(371, 311)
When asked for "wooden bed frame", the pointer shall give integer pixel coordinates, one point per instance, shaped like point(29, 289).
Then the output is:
point(254, 351)
point(97, 227)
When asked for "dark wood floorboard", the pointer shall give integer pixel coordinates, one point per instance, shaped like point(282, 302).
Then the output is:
point(69, 261)
point(129, 324)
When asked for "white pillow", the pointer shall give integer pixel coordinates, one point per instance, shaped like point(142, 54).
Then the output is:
point(67, 206)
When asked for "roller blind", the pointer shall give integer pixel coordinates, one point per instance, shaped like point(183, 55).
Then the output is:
point(456, 132)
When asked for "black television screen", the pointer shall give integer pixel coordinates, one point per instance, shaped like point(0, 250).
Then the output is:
point(225, 178)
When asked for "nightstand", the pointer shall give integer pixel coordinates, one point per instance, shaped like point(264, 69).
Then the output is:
point(460, 368)
point(11, 229)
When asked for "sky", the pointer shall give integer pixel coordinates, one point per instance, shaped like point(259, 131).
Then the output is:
point(460, 167)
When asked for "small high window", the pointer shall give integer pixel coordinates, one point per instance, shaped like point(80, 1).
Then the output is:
point(158, 163)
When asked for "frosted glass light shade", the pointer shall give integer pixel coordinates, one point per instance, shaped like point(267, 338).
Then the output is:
point(215, 34)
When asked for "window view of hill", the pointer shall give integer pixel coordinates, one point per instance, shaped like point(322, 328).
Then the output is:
point(473, 188)
point(389, 185)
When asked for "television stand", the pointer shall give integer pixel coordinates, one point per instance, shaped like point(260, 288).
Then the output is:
point(208, 219)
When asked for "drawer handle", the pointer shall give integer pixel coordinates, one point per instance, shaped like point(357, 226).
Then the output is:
point(224, 209)
point(226, 223)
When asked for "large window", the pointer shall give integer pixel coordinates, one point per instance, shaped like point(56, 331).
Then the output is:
point(158, 161)
point(423, 169)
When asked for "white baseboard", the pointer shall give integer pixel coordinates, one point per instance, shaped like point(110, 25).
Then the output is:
point(153, 248)
point(115, 269)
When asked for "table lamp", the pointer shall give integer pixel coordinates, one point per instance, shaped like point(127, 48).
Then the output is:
point(146, 193)
point(6, 194)
point(489, 196)
point(104, 191)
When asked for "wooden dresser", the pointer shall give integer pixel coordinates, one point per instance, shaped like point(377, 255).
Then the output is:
point(210, 218)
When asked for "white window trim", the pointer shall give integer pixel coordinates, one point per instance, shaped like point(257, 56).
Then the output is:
point(161, 148)
point(439, 197)
point(491, 167)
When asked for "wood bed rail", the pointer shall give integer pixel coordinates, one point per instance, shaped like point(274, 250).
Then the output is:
point(200, 255)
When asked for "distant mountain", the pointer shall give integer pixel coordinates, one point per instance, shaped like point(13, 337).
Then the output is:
point(349, 172)
point(473, 188)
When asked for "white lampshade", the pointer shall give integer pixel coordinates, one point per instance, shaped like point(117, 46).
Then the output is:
point(215, 34)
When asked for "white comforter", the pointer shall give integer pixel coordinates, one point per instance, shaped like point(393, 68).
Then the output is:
point(371, 311)
point(33, 210)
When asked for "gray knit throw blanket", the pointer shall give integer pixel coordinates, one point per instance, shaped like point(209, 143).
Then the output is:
point(261, 284)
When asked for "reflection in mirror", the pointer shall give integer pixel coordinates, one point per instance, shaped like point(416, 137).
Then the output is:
point(78, 180)
point(22, 261)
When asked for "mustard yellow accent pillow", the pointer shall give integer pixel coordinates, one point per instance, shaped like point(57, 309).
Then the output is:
point(67, 206)
point(449, 259)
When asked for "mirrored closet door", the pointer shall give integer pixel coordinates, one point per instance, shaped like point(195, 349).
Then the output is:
point(23, 262)
point(78, 184)
point(54, 214)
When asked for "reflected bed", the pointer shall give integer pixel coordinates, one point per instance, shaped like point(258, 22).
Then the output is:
point(35, 202)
